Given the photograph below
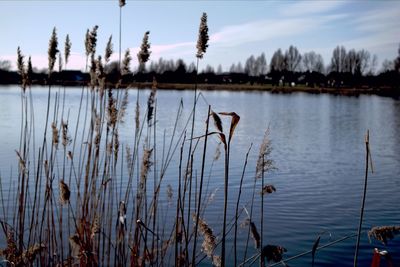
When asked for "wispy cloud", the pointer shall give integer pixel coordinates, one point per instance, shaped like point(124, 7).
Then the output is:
point(382, 19)
point(270, 29)
point(302, 8)
point(164, 48)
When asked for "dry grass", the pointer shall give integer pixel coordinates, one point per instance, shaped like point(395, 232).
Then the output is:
point(384, 233)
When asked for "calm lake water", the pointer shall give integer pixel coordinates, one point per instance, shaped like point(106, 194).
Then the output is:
point(318, 149)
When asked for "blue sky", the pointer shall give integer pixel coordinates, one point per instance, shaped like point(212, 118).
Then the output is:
point(237, 29)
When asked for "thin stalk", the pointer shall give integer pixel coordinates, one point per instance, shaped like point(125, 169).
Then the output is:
point(262, 263)
point(200, 187)
point(367, 156)
point(178, 206)
point(237, 205)
point(225, 205)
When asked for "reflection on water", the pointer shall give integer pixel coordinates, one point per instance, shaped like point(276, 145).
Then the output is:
point(318, 149)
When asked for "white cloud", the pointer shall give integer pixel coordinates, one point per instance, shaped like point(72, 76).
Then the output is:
point(303, 8)
point(378, 20)
point(264, 30)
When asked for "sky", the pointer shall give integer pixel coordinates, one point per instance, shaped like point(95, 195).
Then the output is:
point(237, 29)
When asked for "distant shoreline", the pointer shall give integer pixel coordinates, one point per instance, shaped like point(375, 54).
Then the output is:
point(347, 91)
point(383, 91)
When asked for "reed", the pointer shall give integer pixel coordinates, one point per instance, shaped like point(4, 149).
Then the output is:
point(88, 195)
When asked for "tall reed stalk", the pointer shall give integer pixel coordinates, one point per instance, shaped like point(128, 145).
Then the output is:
point(367, 162)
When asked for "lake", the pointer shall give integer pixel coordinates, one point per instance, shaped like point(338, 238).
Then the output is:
point(318, 150)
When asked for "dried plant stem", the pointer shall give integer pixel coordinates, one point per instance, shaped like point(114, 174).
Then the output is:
point(237, 205)
point(225, 205)
point(367, 157)
point(200, 188)
point(262, 263)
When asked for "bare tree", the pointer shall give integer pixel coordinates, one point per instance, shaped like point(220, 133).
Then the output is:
point(397, 61)
point(261, 64)
point(232, 69)
point(292, 59)
point(338, 59)
point(350, 62)
point(5, 65)
point(249, 67)
point(277, 61)
point(363, 58)
point(239, 68)
point(387, 65)
point(209, 69)
point(373, 65)
point(313, 62)
point(191, 68)
point(219, 69)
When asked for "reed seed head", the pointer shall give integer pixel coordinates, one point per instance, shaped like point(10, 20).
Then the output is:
point(268, 189)
point(87, 42)
point(151, 101)
point(264, 162)
point(67, 49)
point(91, 40)
point(384, 233)
point(137, 116)
point(254, 233)
point(52, 51)
point(144, 53)
point(20, 62)
point(109, 50)
point(95, 229)
point(112, 112)
point(29, 72)
point(146, 164)
point(116, 144)
point(75, 244)
point(210, 241)
point(66, 139)
point(65, 193)
point(21, 69)
point(56, 135)
point(126, 63)
point(203, 37)
point(273, 253)
point(93, 72)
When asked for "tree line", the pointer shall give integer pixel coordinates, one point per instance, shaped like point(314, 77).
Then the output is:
point(346, 68)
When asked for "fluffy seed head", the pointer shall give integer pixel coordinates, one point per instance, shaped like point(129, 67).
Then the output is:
point(384, 233)
point(264, 163)
point(67, 49)
point(144, 53)
point(29, 72)
point(203, 37)
point(268, 189)
point(56, 135)
point(52, 52)
point(126, 62)
point(21, 68)
point(91, 40)
point(65, 193)
point(109, 50)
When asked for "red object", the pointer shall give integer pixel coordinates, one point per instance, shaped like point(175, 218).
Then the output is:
point(376, 259)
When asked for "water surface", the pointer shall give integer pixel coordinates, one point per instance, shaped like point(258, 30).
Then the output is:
point(318, 149)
